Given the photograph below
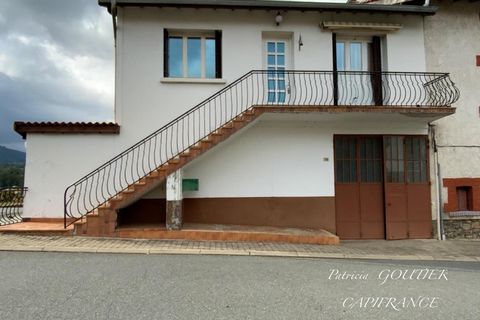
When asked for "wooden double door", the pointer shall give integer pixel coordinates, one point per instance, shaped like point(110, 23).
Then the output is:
point(382, 188)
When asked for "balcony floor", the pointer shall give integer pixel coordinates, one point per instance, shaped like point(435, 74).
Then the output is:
point(414, 110)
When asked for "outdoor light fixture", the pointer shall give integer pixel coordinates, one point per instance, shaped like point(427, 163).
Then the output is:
point(278, 18)
point(300, 43)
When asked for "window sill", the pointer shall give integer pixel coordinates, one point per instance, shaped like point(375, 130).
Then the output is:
point(193, 80)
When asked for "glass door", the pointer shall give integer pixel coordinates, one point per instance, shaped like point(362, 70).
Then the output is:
point(354, 56)
point(276, 62)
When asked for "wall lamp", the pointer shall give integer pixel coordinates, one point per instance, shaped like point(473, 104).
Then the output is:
point(278, 18)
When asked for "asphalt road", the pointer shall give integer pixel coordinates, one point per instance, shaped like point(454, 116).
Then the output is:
point(116, 286)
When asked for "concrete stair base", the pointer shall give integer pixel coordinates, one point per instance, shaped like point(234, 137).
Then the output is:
point(215, 232)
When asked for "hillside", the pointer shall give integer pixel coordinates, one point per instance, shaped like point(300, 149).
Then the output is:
point(9, 156)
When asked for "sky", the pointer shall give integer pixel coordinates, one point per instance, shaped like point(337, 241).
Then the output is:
point(56, 63)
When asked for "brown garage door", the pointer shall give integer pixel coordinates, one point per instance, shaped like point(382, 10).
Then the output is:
point(382, 187)
point(407, 188)
point(359, 203)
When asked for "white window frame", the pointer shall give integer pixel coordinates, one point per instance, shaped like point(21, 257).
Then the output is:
point(203, 35)
point(364, 41)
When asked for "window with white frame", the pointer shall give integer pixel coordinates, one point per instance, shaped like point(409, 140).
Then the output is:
point(192, 54)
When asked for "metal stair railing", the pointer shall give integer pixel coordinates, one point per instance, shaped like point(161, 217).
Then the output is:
point(256, 88)
point(11, 204)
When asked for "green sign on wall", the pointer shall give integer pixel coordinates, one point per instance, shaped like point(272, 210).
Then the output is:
point(190, 184)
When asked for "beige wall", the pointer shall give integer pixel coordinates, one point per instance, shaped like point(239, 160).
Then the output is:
point(452, 41)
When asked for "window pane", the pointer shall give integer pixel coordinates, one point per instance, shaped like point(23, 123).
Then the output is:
point(281, 60)
point(271, 84)
point(416, 154)
point(271, 47)
point(210, 63)
point(175, 57)
point(194, 57)
point(345, 159)
point(340, 56)
point(355, 56)
point(339, 173)
point(271, 72)
point(271, 59)
point(423, 175)
point(280, 72)
point(280, 47)
point(394, 159)
point(271, 96)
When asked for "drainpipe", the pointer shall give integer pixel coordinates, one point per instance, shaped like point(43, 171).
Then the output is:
point(113, 12)
point(438, 185)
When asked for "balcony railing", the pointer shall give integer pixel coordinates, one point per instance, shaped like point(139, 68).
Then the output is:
point(261, 88)
point(11, 204)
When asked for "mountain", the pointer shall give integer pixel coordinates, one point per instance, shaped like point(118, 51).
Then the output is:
point(9, 156)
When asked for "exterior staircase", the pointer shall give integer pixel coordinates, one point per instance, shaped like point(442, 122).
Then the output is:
point(102, 220)
point(91, 203)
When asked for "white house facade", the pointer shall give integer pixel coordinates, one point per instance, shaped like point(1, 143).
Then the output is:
point(254, 113)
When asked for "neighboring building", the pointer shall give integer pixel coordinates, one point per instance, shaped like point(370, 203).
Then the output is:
point(452, 41)
point(330, 130)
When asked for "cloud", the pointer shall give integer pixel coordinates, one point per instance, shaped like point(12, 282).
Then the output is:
point(56, 63)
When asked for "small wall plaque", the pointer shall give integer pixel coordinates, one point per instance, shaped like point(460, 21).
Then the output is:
point(190, 184)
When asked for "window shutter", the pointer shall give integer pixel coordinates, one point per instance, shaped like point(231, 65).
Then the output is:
point(218, 54)
point(376, 54)
point(377, 69)
point(335, 74)
point(165, 53)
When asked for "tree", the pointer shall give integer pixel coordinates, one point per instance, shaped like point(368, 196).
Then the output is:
point(11, 175)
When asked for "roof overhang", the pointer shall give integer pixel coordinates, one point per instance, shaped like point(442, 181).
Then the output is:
point(275, 5)
point(22, 128)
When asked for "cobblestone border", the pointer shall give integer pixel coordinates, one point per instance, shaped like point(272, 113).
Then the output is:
point(128, 246)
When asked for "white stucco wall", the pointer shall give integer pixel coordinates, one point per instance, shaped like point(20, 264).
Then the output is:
point(56, 161)
point(284, 155)
point(144, 103)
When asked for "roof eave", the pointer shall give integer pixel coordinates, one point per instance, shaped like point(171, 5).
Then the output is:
point(23, 128)
point(277, 5)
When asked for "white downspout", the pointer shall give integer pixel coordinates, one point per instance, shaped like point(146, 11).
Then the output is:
point(427, 3)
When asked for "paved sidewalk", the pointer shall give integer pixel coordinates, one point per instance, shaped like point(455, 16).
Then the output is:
point(453, 250)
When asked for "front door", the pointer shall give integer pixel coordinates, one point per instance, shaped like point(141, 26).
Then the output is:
point(276, 61)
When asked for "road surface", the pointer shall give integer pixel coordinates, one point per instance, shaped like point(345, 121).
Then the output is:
point(128, 286)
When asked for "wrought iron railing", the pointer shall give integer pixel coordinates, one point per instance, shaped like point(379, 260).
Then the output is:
point(11, 204)
point(261, 88)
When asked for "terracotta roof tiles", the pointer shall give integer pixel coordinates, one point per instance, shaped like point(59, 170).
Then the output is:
point(23, 128)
